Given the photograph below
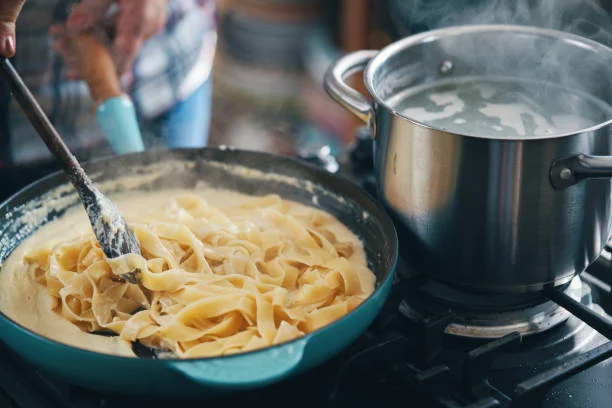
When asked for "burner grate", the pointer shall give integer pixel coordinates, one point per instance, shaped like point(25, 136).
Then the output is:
point(600, 322)
point(555, 375)
point(417, 354)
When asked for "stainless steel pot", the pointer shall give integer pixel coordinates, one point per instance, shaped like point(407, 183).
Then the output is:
point(492, 214)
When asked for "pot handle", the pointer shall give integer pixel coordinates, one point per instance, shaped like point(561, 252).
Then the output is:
point(341, 92)
point(252, 369)
point(571, 170)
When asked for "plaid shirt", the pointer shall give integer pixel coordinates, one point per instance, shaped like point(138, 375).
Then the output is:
point(178, 60)
point(170, 66)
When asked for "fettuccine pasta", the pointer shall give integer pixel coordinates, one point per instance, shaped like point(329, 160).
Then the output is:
point(245, 273)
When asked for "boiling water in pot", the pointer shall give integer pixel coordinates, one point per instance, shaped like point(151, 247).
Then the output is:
point(501, 108)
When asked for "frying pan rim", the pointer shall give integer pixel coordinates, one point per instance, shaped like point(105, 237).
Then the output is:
point(382, 217)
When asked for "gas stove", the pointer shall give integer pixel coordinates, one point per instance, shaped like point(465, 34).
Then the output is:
point(430, 346)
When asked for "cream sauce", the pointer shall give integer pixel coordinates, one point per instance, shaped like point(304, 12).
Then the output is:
point(27, 302)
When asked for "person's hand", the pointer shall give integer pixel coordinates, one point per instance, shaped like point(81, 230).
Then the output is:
point(9, 11)
point(137, 21)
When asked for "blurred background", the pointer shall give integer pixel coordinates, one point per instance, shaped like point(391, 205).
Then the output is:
point(268, 68)
point(272, 56)
point(267, 77)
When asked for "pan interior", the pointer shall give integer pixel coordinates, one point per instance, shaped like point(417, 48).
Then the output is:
point(244, 172)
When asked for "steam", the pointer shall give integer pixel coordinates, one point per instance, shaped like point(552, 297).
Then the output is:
point(586, 18)
point(545, 61)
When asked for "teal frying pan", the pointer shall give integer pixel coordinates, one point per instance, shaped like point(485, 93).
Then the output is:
point(246, 172)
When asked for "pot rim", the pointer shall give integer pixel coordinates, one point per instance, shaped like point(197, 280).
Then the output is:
point(380, 283)
point(432, 35)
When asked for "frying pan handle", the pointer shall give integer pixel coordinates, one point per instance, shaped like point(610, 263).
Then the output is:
point(251, 369)
point(341, 92)
point(571, 170)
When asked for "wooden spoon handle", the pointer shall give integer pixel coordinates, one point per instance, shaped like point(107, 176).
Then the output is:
point(97, 66)
point(45, 128)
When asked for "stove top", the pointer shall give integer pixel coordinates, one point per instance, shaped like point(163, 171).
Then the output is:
point(408, 356)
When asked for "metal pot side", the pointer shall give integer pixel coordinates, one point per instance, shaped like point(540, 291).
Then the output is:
point(490, 214)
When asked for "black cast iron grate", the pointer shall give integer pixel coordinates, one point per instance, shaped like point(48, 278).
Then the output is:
point(411, 357)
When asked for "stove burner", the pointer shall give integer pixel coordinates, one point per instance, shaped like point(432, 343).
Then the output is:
point(487, 316)
point(456, 371)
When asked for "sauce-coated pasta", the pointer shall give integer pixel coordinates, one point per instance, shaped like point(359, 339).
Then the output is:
point(220, 273)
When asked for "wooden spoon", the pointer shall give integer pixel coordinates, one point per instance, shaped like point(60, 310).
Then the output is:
point(109, 227)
